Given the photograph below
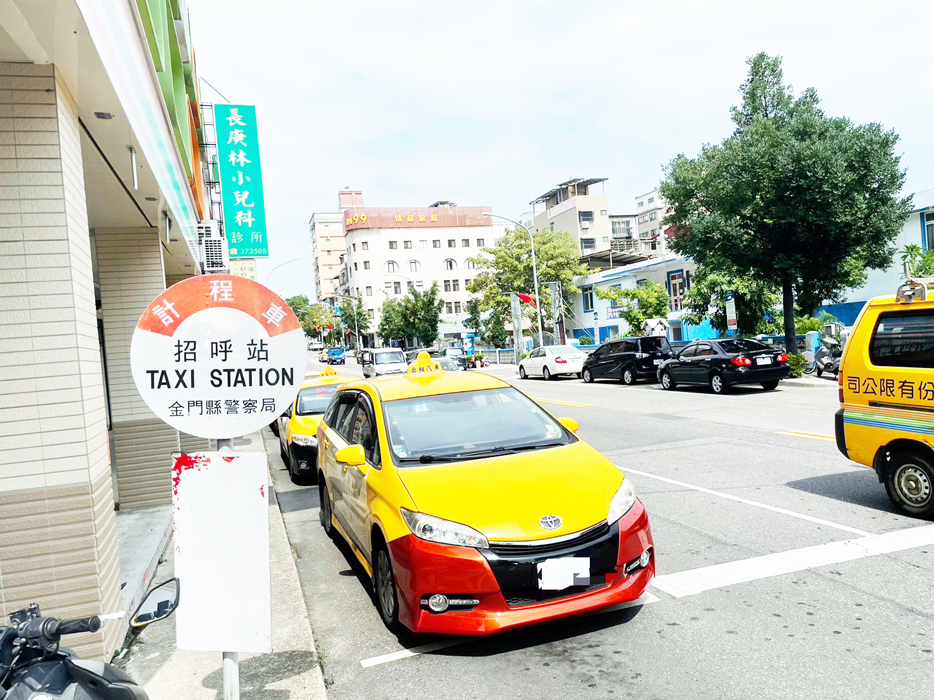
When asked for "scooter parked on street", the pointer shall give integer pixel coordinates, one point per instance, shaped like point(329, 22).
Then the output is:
point(33, 665)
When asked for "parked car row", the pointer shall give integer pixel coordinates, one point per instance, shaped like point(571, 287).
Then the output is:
point(719, 364)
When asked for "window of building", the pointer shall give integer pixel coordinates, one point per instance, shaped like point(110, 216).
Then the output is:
point(929, 228)
point(641, 204)
point(603, 212)
point(465, 243)
point(447, 285)
point(455, 285)
point(587, 293)
point(457, 307)
point(355, 266)
point(369, 291)
point(450, 264)
point(448, 308)
point(388, 287)
point(436, 244)
point(470, 264)
point(364, 246)
point(452, 243)
point(423, 244)
point(414, 266)
point(370, 313)
point(588, 244)
point(466, 282)
point(676, 289)
point(407, 245)
point(355, 247)
point(552, 225)
point(480, 243)
point(393, 245)
point(653, 216)
point(392, 267)
point(651, 199)
point(586, 217)
point(410, 285)
point(418, 285)
point(606, 239)
point(366, 264)
point(397, 287)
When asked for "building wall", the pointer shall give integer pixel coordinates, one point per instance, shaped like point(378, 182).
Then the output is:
point(57, 527)
point(566, 217)
point(327, 243)
point(651, 228)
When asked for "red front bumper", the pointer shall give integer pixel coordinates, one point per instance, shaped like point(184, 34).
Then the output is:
point(425, 568)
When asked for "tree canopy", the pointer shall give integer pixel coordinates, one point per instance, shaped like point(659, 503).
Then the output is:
point(637, 305)
point(706, 299)
point(799, 200)
point(318, 317)
point(354, 315)
point(496, 333)
point(920, 262)
point(474, 320)
point(391, 326)
point(421, 314)
point(299, 306)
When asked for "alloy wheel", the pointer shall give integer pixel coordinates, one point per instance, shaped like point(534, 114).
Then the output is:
point(666, 380)
point(587, 376)
point(716, 384)
point(385, 586)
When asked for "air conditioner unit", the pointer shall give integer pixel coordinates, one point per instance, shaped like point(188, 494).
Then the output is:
point(585, 224)
point(208, 229)
point(214, 254)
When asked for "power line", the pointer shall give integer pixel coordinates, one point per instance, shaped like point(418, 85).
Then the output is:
point(213, 88)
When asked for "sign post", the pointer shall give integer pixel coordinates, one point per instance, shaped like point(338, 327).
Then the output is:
point(731, 323)
point(219, 357)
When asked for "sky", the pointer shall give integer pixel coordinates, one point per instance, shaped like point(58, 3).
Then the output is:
point(494, 103)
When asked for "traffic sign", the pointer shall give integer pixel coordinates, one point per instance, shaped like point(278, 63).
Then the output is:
point(218, 356)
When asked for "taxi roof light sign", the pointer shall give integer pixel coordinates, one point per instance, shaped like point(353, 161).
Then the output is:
point(424, 366)
point(328, 373)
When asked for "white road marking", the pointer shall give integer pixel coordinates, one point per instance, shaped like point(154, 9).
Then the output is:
point(697, 581)
point(746, 501)
point(644, 599)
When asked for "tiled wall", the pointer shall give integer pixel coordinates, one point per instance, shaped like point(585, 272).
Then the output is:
point(57, 528)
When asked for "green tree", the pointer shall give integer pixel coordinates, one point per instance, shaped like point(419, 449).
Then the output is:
point(421, 314)
point(317, 318)
point(920, 262)
point(354, 315)
point(299, 306)
point(391, 326)
point(706, 299)
point(474, 321)
point(648, 300)
point(800, 200)
point(496, 333)
point(507, 267)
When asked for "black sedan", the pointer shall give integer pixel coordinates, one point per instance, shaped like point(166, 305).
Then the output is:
point(721, 364)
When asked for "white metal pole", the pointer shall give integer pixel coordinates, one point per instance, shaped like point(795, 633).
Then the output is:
point(231, 658)
point(538, 299)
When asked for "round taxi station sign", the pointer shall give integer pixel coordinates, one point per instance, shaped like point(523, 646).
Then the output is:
point(218, 356)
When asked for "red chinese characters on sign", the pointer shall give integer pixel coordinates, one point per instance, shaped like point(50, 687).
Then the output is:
point(429, 217)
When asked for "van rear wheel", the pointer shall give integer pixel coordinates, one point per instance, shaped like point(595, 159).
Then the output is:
point(909, 482)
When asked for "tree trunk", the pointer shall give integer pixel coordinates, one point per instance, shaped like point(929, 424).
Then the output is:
point(788, 306)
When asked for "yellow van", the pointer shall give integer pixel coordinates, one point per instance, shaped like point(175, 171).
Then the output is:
point(886, 416)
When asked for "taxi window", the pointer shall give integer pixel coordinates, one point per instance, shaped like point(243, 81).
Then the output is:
point(364, 433)
point(343, 418)
point(903, 339)
point(469, 425)
point(314, 400)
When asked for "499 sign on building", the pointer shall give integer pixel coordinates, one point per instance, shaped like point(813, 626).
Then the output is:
point(218, 356)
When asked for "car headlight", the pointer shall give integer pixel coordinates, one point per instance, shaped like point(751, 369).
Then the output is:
point(432, 529)
point(305, 440)
point(621, 503)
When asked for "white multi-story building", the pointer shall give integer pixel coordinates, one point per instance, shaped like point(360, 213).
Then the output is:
point(327, 244)
point(389, 250)
point(651, 210)
point(572, 208)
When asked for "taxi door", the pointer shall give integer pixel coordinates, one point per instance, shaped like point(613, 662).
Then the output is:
point(335, 432)
point(354, 486)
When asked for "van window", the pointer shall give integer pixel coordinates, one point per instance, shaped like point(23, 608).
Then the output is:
point(655, 343)
point(903, 339)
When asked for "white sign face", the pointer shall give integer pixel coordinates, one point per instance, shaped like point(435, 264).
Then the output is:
point(221, 542)
point(731, 323)
point(218, 356)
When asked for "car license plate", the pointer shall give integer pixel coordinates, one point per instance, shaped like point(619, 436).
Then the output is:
point(763, 360)
point(558, 574)
point(657, 362)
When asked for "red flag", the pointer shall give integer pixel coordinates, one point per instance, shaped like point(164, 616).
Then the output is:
point(526, 298)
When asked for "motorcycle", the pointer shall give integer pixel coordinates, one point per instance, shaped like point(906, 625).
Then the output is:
point(34, 665)
point(827, 358)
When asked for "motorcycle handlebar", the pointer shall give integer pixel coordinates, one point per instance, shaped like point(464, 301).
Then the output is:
point(51, 629)
point(87, 624)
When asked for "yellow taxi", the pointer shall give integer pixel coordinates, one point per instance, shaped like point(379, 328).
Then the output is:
point(886, 416)
point(298, 426)
point(472, 508)
point(323, 355)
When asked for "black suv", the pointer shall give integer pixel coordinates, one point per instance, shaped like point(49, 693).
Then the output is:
point(627, 359)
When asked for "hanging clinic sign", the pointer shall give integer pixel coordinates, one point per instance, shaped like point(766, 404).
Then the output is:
point(218, 356)
point(241, 181)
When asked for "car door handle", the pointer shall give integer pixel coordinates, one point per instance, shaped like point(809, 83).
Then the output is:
point(345, 468)
point(327, 443)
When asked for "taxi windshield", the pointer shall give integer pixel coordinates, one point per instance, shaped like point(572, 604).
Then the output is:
point(469, 425)
point(389, 358)
point(314, 399)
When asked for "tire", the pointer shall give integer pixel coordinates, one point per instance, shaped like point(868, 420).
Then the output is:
point(283, 454)
point(909, 482)
point(820, 372)
point(587, 376)
point(522, 374)
point(546, 374)
point(384, 588)
point(578, 375)
point(326, 509)
point(769, 386)
point(628, 377)
point(274, 427)
point(717, 385)
point(667, 381)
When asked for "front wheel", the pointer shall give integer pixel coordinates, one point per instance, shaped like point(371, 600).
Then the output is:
point(628, 377)
point(717, 385)
point(667, 381)
point(546, 374)
point(909, 482)
point(325, 512)
point(587, 376)
point(384, 588)
point(522, 374)
point(769, 386)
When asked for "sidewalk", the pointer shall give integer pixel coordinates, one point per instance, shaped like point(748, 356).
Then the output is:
point(291, 672)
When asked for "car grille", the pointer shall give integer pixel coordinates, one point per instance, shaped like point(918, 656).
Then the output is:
point(518, 599)
point(585, 537)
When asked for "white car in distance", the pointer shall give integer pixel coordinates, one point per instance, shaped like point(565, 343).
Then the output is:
point(551, 361)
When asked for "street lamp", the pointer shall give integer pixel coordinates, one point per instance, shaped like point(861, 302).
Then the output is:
point(538, 299)
point(269, 274)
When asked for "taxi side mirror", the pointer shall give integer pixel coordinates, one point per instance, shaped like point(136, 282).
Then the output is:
point(570, 424)
point(352, 455)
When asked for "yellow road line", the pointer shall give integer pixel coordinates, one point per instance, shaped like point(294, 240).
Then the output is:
point(560, 403)
point(810, 436)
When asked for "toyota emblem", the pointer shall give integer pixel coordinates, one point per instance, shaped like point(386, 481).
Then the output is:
point(550, 522)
